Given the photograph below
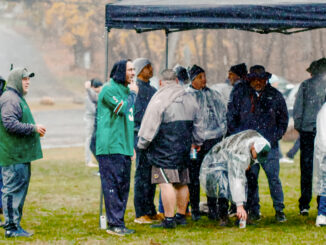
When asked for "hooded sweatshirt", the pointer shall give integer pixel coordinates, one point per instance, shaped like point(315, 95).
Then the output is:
point(115, 115)
point(20, 143)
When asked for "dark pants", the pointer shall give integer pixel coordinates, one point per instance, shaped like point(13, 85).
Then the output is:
point(144, 190)
point(272, 170)
point(321, 200)
point(194, 169)
point(115, 178)
point(306, 165)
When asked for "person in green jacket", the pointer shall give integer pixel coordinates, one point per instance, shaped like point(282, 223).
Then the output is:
point(19, 145)
point(115, 142)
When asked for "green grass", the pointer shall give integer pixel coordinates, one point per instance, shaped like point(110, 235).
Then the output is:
point(62, 207)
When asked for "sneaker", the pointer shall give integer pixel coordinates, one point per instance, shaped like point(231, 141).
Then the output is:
point(180, 219)
point(17, 233)
point(254, 216)
point(280, 216)
point(157, 217)
point(321, 220)
point(304, 212)
point(232, 210)
point(165, 224)
point(195, 216)
point(119, 231)
point(286, 160)
point(92, 165)
point(143, 220)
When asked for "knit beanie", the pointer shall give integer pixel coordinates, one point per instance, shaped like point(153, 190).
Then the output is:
point(240, 70)
point(139, 65)
point(194, 71)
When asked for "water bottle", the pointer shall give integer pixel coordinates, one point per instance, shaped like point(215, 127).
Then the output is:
point(103, 222)
point(193, 154)
point(242, 223)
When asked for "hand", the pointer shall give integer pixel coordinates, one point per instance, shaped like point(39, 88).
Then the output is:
point(241, 213)
point(133, 87)
point(40, 129)
point(133, 158)
point(197, 147)
point(88, 84)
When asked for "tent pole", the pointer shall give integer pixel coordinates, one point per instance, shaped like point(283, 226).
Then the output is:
point(107, 31)
point(166, 49)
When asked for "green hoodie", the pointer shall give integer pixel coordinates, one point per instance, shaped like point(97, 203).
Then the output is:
point(17, 148)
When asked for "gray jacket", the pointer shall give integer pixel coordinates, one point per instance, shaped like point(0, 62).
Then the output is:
point(310, 97)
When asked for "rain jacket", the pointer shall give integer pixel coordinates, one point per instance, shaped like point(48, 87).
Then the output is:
point(319, 168)
point(225, 166)
point(180, 124)
point(145, 93)
point(266, 114)
point(20, 143)
point(310, 97)
point(115, 120)
point(213, 111)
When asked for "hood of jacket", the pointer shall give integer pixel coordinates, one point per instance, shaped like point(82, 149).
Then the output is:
point(118, 72)
point(15, 79)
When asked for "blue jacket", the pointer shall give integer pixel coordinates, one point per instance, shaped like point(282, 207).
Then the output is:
point(266, 114)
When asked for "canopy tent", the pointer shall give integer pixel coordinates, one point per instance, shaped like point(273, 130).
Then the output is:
point(262, 16)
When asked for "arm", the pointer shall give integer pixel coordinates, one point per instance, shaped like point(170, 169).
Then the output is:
point(11, 114)
point(119, 106)
point(282, 119)
point(198, 132)
point(298, 108)
point(233, 109)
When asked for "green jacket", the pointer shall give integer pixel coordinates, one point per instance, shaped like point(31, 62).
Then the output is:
point(19, 143)
point(115, 120)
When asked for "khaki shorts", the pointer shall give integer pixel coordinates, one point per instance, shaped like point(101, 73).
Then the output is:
point(172, 176)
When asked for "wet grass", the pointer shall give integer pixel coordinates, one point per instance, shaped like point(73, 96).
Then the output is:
point(62, 207)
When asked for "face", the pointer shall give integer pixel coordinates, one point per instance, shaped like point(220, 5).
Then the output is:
point(258, 84)
point(147, 72)
point(233, 77)
point(25, 84)
point(200, 81)
point(130, 72)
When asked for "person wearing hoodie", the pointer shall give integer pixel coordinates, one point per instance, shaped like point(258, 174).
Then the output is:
point(144, 190)
point(225, 167)
point(2, 89)
point(115, 142)
point(172, 124)
point(214, 114)
point(19, 145)
point(310, 98)
point(257, 105)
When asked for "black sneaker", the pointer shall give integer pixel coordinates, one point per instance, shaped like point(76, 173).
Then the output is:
point(224, 221)
point(17, 233)
point(254, 216)
point(304, 212)
point(280, 216)
point(180, 219)
point(165, 224)
point(119, 231)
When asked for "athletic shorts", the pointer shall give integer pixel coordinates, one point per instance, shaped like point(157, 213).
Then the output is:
point(172, 176)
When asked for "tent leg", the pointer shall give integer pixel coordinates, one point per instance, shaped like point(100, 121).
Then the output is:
point(166, 49)
point(107, 31)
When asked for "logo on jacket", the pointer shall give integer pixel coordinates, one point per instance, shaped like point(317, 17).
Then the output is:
point(131, 115)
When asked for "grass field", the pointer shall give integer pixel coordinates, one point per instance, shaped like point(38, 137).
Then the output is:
point(62, 207)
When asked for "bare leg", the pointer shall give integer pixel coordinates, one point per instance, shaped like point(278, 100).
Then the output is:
point(169, 199)
point(182, 198)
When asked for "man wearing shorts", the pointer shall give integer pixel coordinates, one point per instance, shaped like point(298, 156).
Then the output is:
point(170, 129)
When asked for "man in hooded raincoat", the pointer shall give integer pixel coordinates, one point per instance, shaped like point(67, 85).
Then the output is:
point(319, 168)
point(215, 126)
point(19, 145)
point(225, 166)
point(115, 142)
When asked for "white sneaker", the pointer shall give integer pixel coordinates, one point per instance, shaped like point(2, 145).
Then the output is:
point(286, 160)
point(91, 165)
point(321, 220)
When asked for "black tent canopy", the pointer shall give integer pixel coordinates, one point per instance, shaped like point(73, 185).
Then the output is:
point(262, 16)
